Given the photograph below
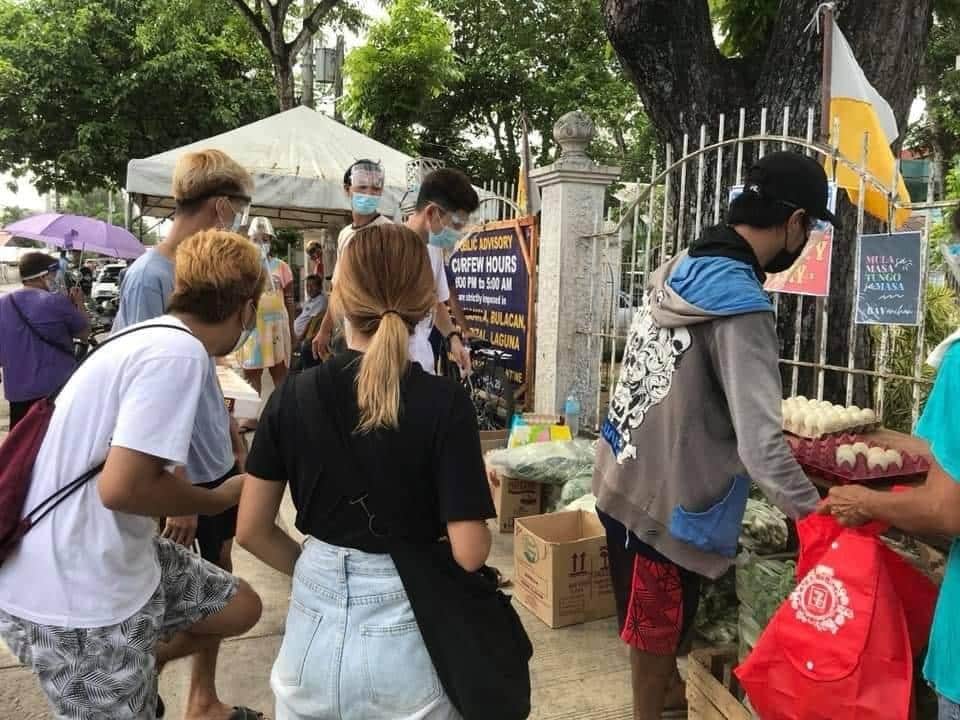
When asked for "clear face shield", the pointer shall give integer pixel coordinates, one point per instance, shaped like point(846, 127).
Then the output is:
point(367, 178)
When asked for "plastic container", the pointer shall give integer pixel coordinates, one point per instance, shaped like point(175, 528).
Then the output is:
point(820, 458)
point(571, 412)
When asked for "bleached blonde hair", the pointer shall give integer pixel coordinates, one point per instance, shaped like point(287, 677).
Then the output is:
point(206, 173)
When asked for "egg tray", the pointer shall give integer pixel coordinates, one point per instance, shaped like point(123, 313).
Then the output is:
point(856, 429)
point(819, 457)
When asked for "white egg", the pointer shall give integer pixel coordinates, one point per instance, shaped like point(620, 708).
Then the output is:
point(861, 448)
point(853, 407)
point(851, 417)
point(877, 459)
point(894, 458)
point(868, 417)
point(846, 456)
point(801, 399)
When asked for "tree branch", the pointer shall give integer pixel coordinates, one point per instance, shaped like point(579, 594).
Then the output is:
point(256, 22)
point(311, 25)
point(668, 51)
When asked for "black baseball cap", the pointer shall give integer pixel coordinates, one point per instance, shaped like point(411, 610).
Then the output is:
point(794, 180)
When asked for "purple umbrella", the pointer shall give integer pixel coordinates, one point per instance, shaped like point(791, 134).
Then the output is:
point(75, 232)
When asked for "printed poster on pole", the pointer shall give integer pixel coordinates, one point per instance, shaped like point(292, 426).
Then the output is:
point(888, 285)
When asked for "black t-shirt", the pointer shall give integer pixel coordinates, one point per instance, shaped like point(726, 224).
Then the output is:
point(420, 476)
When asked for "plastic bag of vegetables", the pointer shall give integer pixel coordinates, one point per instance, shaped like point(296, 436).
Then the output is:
point(763, 584)
point(717, 613)
point(551, 463)
point(764, 528)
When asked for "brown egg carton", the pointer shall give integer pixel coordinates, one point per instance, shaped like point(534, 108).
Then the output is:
point(819, 457)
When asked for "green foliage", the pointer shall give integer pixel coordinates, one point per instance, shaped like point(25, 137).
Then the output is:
point(405, 64)
point(510, 58)
point(86, 85)
point(745, 25)
point(942, 318)
point(12, 213)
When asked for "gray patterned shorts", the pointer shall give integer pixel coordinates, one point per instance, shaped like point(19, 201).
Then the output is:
point(109, 673)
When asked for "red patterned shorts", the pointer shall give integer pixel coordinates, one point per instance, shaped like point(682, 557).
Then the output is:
point(656, 598)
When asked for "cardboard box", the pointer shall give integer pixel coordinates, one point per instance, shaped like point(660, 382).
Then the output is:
point(493, 440)
point(561, 568)
point(512, 498)
point(516, 499)
point(242, 400)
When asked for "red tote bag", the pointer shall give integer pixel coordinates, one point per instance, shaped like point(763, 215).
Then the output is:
point(840, 647)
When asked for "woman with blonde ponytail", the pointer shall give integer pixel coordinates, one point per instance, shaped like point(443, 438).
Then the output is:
point(377, 453)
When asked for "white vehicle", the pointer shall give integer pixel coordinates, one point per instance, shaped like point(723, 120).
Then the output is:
point(106, 286)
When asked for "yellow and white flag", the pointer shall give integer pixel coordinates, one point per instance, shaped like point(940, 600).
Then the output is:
point(859, 108)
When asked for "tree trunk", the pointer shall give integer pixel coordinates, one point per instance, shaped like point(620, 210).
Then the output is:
point(283, 79)
point(667, 48)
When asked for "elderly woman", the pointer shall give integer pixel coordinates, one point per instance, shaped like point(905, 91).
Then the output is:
point(269, 346)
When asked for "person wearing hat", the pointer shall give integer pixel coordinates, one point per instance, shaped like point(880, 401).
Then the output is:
point(37, 330)
point(269, 346)
point(696, 415)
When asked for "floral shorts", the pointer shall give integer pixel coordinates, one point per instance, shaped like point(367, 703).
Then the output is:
point(109, 673)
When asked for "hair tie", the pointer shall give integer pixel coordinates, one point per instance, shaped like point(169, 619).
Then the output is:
point(391, 312)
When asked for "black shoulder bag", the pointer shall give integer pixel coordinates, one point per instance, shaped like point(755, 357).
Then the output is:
point(475, 638)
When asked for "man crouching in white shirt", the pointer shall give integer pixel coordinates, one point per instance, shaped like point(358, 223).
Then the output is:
point(91, 599)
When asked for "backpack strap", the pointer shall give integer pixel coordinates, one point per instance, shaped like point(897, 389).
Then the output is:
point(50, 503)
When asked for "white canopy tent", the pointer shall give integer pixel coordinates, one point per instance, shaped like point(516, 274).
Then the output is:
point(297, 158)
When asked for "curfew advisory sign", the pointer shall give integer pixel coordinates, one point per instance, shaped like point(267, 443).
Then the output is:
point(888, 290)
point(492, 274)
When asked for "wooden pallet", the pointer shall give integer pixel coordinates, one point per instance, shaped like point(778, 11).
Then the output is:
point(712, 690)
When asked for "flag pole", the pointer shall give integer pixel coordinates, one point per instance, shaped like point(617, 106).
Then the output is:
point(827, 10)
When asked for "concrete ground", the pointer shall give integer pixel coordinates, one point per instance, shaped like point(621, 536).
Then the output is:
point(578, 673)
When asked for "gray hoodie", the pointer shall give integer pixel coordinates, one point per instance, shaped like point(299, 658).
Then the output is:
point(696, 413)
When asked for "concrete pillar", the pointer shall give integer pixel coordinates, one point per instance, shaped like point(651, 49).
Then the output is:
point(572, 198)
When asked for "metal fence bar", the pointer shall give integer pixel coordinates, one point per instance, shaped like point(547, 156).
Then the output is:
point(718, 179)
point(786, 127)
point(614, 305)
point(651, 210)
point(740, 135)
point(884, 352)
point(920, 345)
point(701, 177)
point(852, 335)
point(856, 371)
point(682, 208)
point(667, 250)
point(763, 131)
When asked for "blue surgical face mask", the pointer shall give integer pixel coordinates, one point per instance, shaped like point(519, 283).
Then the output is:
point(446, 239)
point(364, 204)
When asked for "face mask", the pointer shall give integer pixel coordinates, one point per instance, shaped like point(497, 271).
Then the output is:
point(364, 204)
point(265, 249)
point(446, 239)
point(785, 259)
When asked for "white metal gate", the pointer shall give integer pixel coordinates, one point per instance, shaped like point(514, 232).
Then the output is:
point(664, 216)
